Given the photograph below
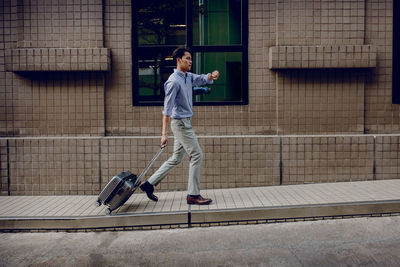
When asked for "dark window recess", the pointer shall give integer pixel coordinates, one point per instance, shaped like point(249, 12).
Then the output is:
point(396, 54)
point(216, 31)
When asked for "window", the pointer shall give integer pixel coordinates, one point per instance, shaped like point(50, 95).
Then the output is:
point(214, 30)
point(396, 54)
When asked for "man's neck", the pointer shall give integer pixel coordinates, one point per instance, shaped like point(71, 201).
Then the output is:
point(180, 68)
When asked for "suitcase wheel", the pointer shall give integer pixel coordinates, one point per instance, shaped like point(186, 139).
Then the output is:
point(108, 211)
point(97, 203)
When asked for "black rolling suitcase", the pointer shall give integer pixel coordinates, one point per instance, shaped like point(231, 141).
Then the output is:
point(122, 186)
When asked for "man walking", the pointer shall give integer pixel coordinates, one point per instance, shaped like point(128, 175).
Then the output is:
point(178, 111)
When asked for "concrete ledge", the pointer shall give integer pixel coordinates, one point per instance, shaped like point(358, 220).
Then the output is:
point(293, 212)
point(58, 59)
point(323, 57)
point(94, 222)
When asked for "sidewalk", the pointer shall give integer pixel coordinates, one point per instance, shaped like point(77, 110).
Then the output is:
point(247, 205)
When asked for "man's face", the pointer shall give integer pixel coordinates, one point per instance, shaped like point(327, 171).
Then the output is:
point(185, 63)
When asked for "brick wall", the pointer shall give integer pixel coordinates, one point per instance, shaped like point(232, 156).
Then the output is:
point(4, 159)
point(68, 131)
point(381, 116)
point(387, 157)
point(327, 159)
point(298, 101)
point(53, 166)
point(50, 103)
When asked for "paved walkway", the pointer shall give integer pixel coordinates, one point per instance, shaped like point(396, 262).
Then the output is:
point(239, 204)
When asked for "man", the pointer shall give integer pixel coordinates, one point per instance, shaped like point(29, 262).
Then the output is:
point(178, 110)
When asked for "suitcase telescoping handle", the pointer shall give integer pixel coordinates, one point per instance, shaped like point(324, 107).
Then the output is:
point(150, 164)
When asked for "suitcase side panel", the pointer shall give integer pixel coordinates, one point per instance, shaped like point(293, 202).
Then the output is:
point(114, 185)
point(110, 189)
point(122, 195)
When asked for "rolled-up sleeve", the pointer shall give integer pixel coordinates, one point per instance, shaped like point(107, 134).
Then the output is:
point(171, 89)
point(199, 80)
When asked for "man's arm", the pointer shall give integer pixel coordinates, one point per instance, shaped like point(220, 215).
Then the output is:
point(199, 80)
point(165, 129)
point(171, 90)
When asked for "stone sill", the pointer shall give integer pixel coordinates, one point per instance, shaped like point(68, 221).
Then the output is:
point(58, 59)
point(322, 57)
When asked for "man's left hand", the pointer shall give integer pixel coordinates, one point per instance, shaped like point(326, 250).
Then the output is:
point(214, 75)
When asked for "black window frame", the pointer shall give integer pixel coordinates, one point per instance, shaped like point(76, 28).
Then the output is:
point(396, 54)
point(243, 48)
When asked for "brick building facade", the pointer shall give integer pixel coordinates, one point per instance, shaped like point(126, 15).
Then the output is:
point(319, 99)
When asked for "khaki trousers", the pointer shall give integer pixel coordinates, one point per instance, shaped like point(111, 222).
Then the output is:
point(185, 142)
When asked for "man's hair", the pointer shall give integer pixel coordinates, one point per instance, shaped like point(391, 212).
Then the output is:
point(179, 52)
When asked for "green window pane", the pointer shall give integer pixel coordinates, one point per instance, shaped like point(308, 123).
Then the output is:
point(229, 85)
point(161, 22)
point(217, 22)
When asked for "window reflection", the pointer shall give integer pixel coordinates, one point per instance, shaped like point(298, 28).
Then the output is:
point(161, 22)
point(154, 69)
point(215, 30)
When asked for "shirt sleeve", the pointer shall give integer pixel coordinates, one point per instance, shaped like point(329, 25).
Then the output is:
point(171, 89)
point(199, 80)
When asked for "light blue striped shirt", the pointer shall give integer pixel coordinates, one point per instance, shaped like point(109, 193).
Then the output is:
point(178, 101)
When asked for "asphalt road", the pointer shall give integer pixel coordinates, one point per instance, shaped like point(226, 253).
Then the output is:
point(346, 242)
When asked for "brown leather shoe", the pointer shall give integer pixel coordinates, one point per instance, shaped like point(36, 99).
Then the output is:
point(198, 200)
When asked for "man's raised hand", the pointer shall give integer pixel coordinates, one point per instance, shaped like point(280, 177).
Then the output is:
point(214, 75)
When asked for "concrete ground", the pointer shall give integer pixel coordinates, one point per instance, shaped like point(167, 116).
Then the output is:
point(373, 241)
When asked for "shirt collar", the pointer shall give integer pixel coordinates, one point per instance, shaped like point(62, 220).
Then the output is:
point(180, 73)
